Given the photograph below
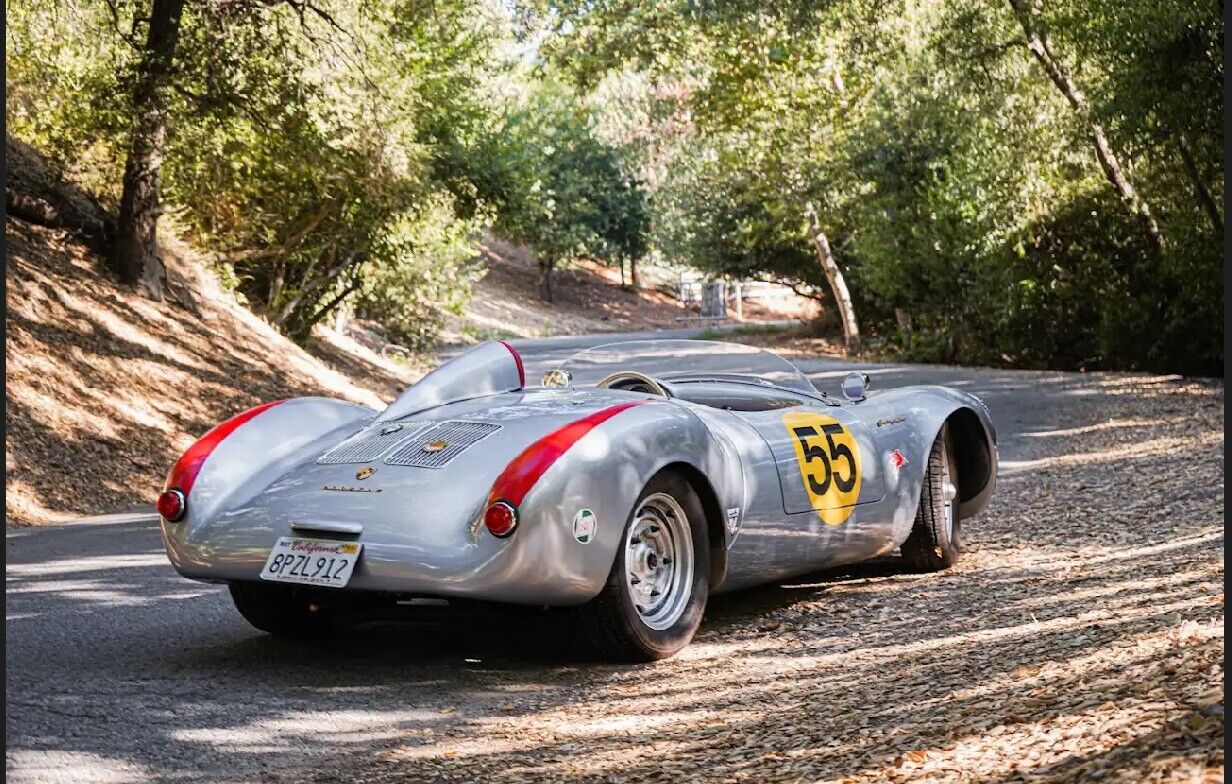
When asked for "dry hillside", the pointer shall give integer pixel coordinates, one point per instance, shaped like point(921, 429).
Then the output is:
point(588, 298)
point(106, 389)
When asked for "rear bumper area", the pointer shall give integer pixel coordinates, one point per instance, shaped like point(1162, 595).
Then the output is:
point(520, 570)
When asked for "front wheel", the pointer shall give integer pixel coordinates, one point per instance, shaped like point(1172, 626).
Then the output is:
point(934, 541)
point(652, 602)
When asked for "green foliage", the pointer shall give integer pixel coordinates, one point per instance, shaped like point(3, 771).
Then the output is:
point(327, 151)
point(955, 182)
point(428, 272)
point(350, 155)
point(301, 146)
point(562, 191)
point(62, 79)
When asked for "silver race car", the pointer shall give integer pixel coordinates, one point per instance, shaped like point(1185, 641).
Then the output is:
point(629, 486)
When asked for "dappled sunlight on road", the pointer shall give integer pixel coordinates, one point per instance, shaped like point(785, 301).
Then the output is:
point(1080, 635)
point(284, 729)
point(95, 583)
point(36, 570)
point(815, 692)
point(1154, 447)
point(73, 766)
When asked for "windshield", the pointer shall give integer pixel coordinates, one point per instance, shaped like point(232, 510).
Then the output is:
point(678, 360)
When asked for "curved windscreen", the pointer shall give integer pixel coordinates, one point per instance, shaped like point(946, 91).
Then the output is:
point(676, 360)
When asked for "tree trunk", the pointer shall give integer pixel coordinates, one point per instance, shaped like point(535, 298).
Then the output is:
point(1205, 200)
point(842, 298)
point(135, 256)
point(277, 282)
point(903, 318)
point(635, 277)
point(545, 281)
point(1041, 48)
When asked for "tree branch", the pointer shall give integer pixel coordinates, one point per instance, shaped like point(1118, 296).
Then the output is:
point(1040, 46)
point(324, 310)
point(994, 49)
point(355, 257)
point(1203, 195)
point(810, 293)
point(293, 242)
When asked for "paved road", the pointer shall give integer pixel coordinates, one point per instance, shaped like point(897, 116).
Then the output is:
point(118, 670)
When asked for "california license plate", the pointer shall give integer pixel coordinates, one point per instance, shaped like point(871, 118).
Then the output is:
point(311, 562)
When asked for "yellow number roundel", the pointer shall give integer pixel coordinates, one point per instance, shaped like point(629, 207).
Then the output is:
point(829, 461)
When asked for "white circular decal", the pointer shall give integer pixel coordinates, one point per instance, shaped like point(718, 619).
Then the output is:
point(584, 524)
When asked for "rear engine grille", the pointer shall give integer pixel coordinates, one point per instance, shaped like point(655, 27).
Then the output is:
point(457, 437)
point(369, 444)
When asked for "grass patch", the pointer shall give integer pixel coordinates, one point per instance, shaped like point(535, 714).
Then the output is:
point(714, 333)
point(480, 334)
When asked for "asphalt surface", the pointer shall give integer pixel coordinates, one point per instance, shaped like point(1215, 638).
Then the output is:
point(119, 670)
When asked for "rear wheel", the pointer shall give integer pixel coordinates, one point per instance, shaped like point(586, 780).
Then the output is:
point(934, 541)
point(283, 611)
point(654, 597)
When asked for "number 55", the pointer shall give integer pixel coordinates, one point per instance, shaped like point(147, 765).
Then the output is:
point(814, 452)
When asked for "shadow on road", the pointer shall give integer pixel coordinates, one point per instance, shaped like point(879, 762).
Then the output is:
point(1083, 627)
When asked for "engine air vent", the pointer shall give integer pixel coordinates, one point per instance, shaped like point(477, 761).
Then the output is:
point(436, 446)
point(372, 442)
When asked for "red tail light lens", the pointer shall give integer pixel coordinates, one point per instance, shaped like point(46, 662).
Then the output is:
point(501, 519)
point(171, 505)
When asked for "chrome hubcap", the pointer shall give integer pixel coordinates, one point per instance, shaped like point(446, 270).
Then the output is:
point(659, 561)
point(948, 493)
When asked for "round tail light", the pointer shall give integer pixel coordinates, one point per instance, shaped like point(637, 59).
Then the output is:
point(171, 505)
point(501, 518)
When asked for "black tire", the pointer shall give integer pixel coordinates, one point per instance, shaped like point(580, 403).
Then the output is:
point(611, 626)
point(930, 548)
point(283, 611)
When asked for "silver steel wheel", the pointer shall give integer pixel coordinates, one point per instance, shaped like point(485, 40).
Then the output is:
point(948, 493)
point(659, 561)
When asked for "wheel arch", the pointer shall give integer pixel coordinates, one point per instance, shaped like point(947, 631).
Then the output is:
point(975, 459)
point(716, 532)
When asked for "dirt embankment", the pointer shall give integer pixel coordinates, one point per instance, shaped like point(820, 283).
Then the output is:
point(106, 388)
point(588, 298)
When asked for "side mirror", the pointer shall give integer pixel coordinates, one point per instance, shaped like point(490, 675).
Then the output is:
point(855, 385)
point(557, 378)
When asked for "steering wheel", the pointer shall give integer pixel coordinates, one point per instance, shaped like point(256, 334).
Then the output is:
point(630, 381)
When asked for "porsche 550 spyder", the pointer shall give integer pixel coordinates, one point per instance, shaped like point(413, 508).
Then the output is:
point(637, 480)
